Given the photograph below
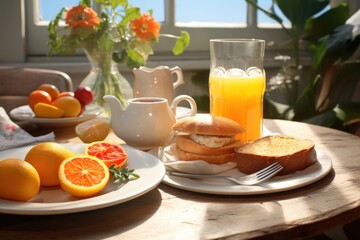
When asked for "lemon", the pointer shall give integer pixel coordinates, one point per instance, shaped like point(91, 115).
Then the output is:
point(44, 110)
point(46, 157)
point(93, 130)
point(19, 180)
point(70, 105)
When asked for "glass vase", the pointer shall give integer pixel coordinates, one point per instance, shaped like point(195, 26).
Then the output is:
point(104, 78)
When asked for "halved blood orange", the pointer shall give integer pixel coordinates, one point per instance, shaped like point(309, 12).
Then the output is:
point(109, 153)
point(83, 175)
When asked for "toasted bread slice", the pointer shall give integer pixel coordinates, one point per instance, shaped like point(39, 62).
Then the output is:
point(293, 154)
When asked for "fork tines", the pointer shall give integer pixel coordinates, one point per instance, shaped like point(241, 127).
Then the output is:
point(275, 167)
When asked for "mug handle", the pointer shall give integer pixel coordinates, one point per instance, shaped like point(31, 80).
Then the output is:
point(180, 78)
point(187, 98)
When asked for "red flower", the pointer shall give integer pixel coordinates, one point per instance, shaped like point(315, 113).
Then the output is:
point(81, 16)
point(145, 27)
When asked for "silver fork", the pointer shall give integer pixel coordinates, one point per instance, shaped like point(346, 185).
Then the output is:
point(252, 179)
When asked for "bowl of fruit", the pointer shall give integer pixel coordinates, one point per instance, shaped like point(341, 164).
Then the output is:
point(48, 107)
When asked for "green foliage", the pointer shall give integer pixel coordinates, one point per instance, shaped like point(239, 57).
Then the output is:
point(123, 175)
point(181, 43)
point(333, 42)
point(114, 31)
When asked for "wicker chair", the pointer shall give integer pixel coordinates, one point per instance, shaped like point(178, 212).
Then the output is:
point(17, 83)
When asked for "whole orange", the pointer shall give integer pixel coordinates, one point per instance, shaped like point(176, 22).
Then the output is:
point(70, 105)
point(38, 96)
point(52, 90)
point(46, 157)
point(19, 180)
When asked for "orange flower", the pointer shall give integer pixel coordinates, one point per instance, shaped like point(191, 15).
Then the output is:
point(81, 16)
point(145, 27)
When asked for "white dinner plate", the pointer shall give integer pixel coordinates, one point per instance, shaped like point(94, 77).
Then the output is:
point(24, 113)
point(182, 112)
point(276, 184)
point(53, 200)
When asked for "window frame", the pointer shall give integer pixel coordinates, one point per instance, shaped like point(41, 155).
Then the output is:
point(14, 49)
point(37, 34)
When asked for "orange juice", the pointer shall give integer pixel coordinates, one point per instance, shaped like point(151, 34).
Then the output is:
point(240, 99)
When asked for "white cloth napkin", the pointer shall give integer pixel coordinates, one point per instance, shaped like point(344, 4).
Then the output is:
point(11, 135)
point(171, 162)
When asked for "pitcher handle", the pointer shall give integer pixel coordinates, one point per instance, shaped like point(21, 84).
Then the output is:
point(180, 78)
point(190, 100)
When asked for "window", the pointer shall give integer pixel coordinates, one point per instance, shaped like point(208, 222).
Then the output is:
point(203, 20)
point(215, 19)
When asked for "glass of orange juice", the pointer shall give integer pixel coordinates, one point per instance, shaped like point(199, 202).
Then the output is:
point(237, 83)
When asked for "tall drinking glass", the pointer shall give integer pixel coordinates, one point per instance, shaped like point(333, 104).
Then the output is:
point(237, 83)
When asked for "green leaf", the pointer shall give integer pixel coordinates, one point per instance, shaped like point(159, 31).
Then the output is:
point(348, 112)
point(325, 119)
point(344, 41)
point(116, 3)
point(320, 52)
point(55, 41)
point(270, 13)
point(130, 14)
point(112, 3)
point(136, 59)
point(298, 11)
point(85, 3)
point(181, 43)
point(326, 23)
point(119, 57)
point(305, 104)
point(123, 175)
point(105, 3)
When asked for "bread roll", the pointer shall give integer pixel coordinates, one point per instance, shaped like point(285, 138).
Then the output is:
point(292, 153)
point(206, 124)
point(208, 138)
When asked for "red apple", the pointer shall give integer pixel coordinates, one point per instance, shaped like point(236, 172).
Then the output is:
point(84, 95)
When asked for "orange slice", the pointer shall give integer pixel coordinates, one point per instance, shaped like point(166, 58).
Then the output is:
point(109, 153)
point(83, 175)
point(93, 130)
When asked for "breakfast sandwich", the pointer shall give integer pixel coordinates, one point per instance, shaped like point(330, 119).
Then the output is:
point(208, 138)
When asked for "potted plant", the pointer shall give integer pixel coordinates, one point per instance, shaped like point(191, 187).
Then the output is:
point(332, 38)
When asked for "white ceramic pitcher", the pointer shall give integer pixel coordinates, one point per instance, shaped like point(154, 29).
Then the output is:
point(157, 82)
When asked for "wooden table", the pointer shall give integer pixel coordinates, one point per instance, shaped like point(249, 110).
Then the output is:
point(170, 213)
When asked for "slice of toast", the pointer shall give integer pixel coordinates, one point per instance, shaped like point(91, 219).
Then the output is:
point(293, 154)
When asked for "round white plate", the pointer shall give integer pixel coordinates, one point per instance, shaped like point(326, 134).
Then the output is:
point(24, 113)
point(275, 184)
point(53, 200)
point(182, 112)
